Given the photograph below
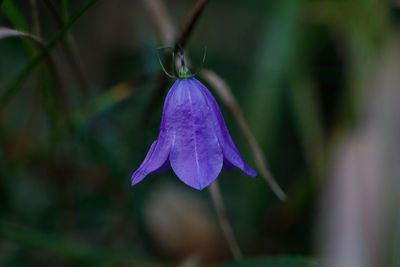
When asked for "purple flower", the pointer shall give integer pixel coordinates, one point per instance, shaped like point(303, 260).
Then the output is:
point(193, 139)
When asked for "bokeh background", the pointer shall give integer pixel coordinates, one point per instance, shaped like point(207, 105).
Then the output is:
point(316, 80)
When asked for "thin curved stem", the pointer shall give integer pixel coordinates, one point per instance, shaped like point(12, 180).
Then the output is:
point(202, 62)
point(162, 67)
point(173, 61)
point(224, 222)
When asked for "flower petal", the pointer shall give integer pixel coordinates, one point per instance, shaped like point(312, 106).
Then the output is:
point(142, 171)
point(231, 153)
point(157, 157)
point(196, 156)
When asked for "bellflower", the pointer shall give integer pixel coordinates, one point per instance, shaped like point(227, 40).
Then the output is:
point(193, 137)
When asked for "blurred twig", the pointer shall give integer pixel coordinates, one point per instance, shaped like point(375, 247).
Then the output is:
point(35, 17)
point(224, 222)
point(161, 20)
point(190, 22)
point(224, 92)
point(7, 32)
point(72, 56)
point(163, 23)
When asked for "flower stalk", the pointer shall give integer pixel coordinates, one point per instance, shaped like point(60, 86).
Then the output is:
point(224, 221)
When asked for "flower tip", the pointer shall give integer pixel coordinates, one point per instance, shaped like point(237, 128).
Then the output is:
point(198, 184)
point(200, 187)
point(133, 182)
point(251, 172)
point(137, 176)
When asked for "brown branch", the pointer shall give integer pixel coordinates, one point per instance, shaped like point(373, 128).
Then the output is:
point(190, 22)
point(225, 93)
point(224, 222)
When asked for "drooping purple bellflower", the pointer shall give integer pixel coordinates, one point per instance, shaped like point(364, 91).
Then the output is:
point(193, 137)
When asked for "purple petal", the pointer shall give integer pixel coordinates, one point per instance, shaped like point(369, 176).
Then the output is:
point(163, 168)
point(196, 156)
point(157, 157)
point(143, 169)
point(229, 149)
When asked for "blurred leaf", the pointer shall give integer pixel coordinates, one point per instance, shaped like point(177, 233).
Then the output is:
point(306, 112)
point(273, 262)
point(18, 21)
point(103, 101)
point(275, 51)
point(15, 16)
point(11, 90)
